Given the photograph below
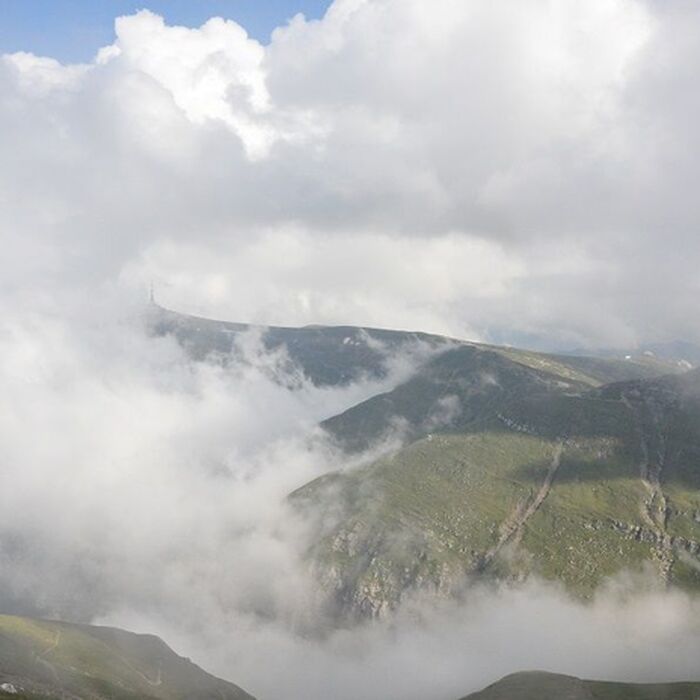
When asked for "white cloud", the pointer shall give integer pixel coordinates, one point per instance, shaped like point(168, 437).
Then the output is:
point(521, 135)
point(388, 281)
point(212, 73)
point(128, 466)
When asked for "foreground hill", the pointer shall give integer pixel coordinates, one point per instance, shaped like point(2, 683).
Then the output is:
point(537, 685)
point(43, 659)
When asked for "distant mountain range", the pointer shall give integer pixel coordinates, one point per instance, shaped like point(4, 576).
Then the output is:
point(327, 355)
point(681, 353)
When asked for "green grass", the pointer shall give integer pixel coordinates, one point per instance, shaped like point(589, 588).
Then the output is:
point(429, 515)
point(43, 658)
point(538, 685)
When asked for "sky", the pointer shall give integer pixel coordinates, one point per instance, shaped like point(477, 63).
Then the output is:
point(73, 30)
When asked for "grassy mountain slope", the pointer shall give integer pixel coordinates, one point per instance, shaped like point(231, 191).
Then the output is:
point(511, 470)
point(44, 659)
point(473, 378)
point(537, 685)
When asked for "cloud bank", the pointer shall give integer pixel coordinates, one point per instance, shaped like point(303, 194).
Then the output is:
point(516, 170)
point(132, 474)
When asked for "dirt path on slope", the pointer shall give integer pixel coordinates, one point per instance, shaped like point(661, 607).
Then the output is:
point(52, 646)
point(40, 659)
point(513, 527)
point(154, 683)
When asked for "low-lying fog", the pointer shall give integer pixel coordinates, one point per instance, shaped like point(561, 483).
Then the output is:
point(145, 490)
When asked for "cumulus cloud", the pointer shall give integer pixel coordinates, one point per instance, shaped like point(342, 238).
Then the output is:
point(525, 163)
